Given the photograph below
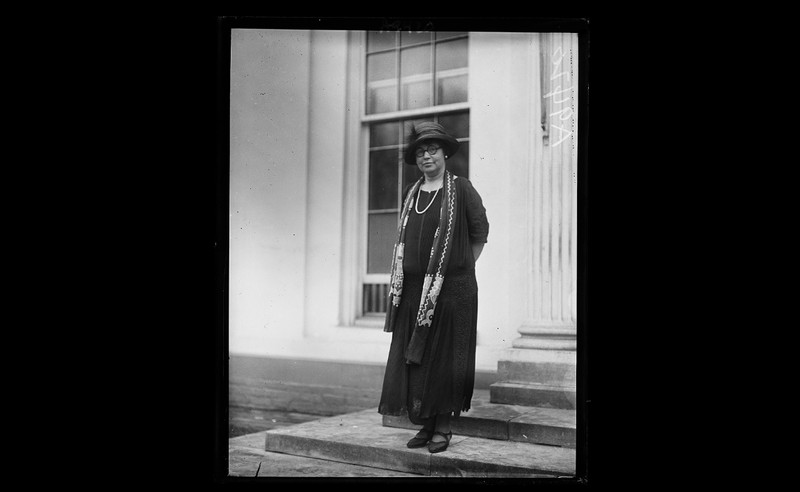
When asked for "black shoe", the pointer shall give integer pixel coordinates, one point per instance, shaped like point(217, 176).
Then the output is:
point(438, 447)
point(421, 439)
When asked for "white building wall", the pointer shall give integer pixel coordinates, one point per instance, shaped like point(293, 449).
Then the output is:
point(269, 131)
point(502, 101)
point(325, 180)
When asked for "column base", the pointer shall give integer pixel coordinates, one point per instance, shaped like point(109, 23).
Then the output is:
point(553, 337)
point(545, 343)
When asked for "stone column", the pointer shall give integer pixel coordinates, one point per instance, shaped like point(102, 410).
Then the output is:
point(539, 368)
point(553, 183)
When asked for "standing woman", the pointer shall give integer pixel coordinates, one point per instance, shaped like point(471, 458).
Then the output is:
point(433, 298)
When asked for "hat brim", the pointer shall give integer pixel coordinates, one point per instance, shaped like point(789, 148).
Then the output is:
point(450, 145)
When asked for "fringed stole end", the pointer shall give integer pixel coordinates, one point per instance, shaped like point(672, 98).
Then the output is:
point(416, 346)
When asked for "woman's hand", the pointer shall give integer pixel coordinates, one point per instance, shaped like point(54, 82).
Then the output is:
point(477, 248)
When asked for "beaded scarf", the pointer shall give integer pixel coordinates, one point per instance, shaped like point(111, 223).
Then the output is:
point(437, 266)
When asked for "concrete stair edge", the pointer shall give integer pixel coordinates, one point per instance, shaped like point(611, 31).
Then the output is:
point(549, 373)
point(532, 394)
point(521, 424)
point(360, 438)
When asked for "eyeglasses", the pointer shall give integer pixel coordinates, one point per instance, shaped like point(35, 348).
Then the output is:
point(431, 149)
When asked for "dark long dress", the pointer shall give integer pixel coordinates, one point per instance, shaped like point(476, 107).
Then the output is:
point(443, 382)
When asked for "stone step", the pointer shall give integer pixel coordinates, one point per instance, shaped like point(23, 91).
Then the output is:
point(359, 438)
point(533, 394)
point(557, 373)
point(535, 425)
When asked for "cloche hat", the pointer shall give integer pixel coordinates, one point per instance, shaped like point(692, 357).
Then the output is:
point(428, 130)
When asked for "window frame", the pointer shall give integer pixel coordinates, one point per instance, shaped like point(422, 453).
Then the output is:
point(398, 48)
point(366, 120)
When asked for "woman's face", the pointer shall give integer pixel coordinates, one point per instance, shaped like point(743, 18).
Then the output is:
point(430, 157)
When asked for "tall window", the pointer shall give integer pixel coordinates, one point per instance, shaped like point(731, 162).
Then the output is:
point(411, 77)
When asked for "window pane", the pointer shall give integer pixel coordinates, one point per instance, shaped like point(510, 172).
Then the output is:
point(377, 40)
point(415, 60)
point(383, 179)
point(382, 232)
point(449, 34)
point(381, 66)
point(381, 82)
point(451, 89)
point(451, 54)
point(407, 38)
point(416, 95)
point(456, 124)
point(381, 134)
point(382, 100)
point(458, 164)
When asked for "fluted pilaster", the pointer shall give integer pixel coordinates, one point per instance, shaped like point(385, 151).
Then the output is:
point(552, 192)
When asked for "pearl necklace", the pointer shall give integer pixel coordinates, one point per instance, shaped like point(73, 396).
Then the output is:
point(416, 205)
